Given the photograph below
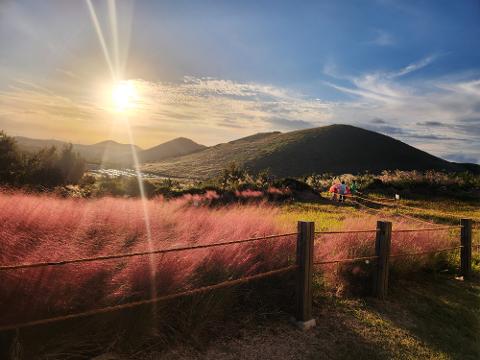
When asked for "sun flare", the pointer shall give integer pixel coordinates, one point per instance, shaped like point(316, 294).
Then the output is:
point(124, 95)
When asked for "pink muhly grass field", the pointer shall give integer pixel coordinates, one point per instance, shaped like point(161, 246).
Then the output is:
point(352, 276)
point(36, 228)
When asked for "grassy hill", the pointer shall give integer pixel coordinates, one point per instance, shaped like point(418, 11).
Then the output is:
point(107, 152)
point(335, 149)
point(113, 153)
point(176, 147)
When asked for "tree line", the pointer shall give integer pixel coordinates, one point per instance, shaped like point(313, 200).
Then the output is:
point(48, 167)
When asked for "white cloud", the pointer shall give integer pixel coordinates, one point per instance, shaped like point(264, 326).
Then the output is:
point(439, 115)
point(414, 66)
point(203, 108)
point(408, 110)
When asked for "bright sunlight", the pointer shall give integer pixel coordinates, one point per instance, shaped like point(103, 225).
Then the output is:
point(124, 95)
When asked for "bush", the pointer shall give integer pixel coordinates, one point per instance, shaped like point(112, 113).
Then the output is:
point(357, 277)
point(45, 168)
point(10, 160)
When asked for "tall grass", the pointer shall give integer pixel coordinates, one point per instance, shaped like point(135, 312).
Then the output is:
point(35, 228)
point(356, 277)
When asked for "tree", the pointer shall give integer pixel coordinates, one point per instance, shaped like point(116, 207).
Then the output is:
point(10, 159)
point(71, 165)
point(45, 167)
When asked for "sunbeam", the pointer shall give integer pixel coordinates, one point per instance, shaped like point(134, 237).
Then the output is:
point(112, 11)
point(123, 95)
point(101, 38)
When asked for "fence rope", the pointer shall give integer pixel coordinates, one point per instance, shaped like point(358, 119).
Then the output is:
point(345, 260)
point(149, 301)
point(346, 231)
point(140, 253)
point(438, 228)
point(379, 211)
point(395, 207)
point(410, 207)
point(426, 252)
point(392, 206)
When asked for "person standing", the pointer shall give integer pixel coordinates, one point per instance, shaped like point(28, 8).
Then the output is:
point(343, 190)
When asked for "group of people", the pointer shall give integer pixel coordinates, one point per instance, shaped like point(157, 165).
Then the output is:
point(341, 190)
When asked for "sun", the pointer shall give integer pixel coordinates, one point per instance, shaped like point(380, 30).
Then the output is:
point(124, 95)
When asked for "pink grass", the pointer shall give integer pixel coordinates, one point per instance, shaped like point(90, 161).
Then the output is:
point(352, 245)
point(35, 228)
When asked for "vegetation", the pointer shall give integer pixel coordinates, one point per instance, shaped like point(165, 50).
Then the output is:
point(100, 215)
point(47, 167)
point(412, 184)
point(44, 227)
point(39, 228)
point(113, 154)
point(333, 149)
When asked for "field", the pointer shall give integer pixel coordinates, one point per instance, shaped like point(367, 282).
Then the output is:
point(37, 228)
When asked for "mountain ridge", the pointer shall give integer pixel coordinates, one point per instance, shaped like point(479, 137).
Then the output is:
point(334, 149)
point(110, 152)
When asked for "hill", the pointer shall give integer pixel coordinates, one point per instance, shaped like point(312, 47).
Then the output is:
point(112, 153)
point(106, 152)
point(176, 147)
point(336, 149)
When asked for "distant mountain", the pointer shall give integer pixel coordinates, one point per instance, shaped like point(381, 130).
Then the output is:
point(336, 149)
point(176, 147)
point(112, 153)
point(108, 152)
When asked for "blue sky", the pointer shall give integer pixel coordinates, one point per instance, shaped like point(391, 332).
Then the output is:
point(218, 70)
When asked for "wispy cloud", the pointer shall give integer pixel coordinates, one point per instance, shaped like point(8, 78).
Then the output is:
point(382, 38)
point(430, 113)
point(203, 108)
point(438, 115)
point(414, 66)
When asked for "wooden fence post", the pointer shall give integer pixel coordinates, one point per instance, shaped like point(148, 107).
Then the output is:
point(305, 240)
point(382, 250)
point(466, 250)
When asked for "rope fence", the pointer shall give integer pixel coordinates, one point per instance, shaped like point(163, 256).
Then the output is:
point(305, 237)
point(340, 261)
point(439, 228)
point(201, 246)
point(346, 231)
point(140, 253)
point(426, 252)
point(407, 207)
point(130, 305)
point(398, 213)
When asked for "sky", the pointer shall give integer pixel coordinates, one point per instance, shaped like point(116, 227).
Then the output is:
point(215, 71)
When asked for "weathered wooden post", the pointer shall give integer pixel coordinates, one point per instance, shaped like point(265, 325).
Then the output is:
point(466, 250)
point(382, 250)
point(305, 240)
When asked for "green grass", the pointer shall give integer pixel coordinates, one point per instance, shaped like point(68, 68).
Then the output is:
point(304, 152)
point(431, 317)
point(327, 216)
point(442, 210)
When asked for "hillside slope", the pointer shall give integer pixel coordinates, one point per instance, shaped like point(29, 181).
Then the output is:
point(336, 149)
point(176, 147)
point(113, 153)
point(106, 152)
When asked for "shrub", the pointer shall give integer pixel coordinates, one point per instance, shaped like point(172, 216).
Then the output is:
point(357, 277)
point(44, 168)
